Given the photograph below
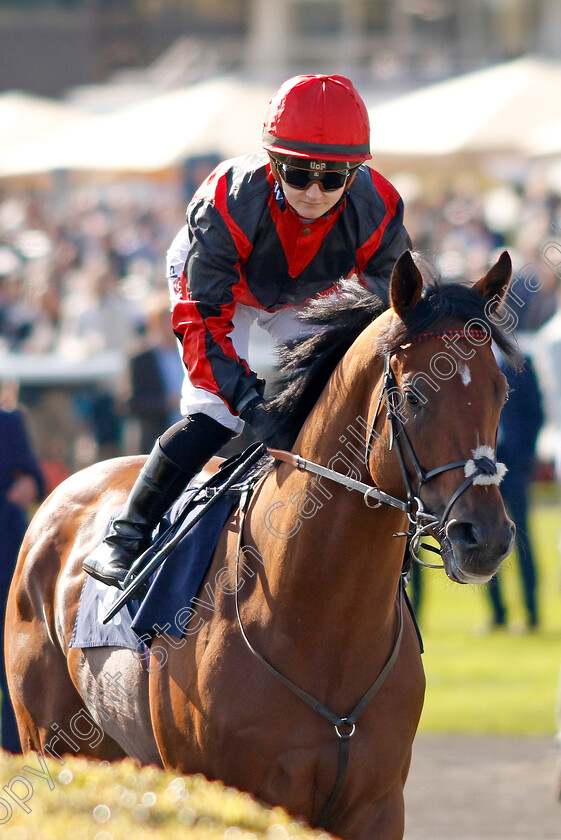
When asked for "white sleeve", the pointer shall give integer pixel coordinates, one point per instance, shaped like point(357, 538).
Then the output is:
point(175, 261)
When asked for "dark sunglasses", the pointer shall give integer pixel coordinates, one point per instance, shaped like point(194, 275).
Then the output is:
point(300, 179)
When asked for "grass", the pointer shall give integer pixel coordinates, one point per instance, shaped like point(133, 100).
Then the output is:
point(502, 681)
point(98, 801)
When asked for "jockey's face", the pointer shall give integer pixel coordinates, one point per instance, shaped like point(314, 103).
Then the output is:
point(312, 200)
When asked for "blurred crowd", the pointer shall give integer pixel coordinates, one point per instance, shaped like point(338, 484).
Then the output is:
point(81, 280)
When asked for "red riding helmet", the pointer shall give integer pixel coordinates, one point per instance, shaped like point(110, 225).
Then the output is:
point(318, 117)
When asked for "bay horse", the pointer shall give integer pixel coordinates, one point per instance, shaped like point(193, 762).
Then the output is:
point(299, 677)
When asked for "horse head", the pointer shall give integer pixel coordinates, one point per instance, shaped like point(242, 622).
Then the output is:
point(443, 393)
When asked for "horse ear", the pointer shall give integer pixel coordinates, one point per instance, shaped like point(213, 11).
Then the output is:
point(406, 284)
point(495, 283)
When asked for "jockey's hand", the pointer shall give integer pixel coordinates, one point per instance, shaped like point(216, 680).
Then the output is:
point(255, 414)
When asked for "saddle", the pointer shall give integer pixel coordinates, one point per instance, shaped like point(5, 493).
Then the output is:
point(162, 582)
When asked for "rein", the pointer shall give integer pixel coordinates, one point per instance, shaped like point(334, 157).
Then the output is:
point(368, 491)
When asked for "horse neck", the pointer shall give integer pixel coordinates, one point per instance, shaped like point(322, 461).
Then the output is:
point(342, 564)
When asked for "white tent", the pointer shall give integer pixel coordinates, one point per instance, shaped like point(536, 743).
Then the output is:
point(223, 115)
point(546, 140)
point(24, 116)
point(491, 111)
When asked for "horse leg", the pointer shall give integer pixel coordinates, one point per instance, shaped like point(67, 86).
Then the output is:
point(49, 712)
point(383, 819)
point(46, 703)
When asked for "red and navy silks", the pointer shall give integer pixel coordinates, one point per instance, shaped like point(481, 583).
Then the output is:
point(247, 246)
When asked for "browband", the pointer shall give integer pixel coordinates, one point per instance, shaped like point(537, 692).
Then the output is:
point(473, 332)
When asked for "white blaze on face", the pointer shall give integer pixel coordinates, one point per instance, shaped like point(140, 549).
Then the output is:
point(464, 373)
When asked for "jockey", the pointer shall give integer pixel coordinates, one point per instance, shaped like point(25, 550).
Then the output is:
point(265, 233)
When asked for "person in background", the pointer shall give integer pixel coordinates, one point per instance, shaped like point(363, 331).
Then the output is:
point(103, 323)
point(521, 420)
point(21, 485)
point(548, 365)
point(265, 233)
point(547, 359)
point(155, 376)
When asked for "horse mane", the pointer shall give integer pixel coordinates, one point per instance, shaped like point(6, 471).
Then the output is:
point(333, 323)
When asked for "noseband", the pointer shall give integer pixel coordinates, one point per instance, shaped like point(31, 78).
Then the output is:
point(481, 468)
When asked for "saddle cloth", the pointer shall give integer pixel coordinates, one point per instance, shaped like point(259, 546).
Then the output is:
point(172, 587)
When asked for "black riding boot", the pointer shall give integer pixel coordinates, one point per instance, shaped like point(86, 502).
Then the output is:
point(191, 442)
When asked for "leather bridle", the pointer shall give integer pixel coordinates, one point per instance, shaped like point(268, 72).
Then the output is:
point(483, 468)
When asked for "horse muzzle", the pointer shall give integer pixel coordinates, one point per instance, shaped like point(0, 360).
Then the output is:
point(473, 552)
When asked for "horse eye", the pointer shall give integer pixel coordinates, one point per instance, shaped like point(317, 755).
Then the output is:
point(412, 398)
point(507, 396)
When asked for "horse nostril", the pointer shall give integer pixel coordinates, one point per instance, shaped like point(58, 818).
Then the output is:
point(464, 534)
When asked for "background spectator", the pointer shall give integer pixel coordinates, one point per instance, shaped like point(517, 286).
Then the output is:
point(21, 484)
point(521, 420)
point(103, 321)
point(156, 376)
